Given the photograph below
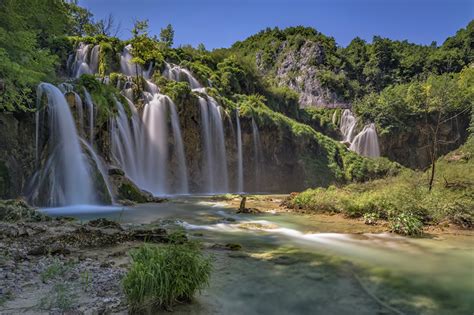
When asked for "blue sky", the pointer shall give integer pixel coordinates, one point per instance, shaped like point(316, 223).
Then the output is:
point(219, 23)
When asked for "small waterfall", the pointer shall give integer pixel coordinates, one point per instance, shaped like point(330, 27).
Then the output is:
point(240, 163)
point(94, 59)
point(366, 142)
point(258, 155)
point(176, 73)
point(127, 67)
point(215, 157)
point(347, 125)
point(90, 106)
point(86, 60)
point(66, 169)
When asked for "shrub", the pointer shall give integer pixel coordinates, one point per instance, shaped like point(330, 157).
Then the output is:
point(163, 276)
point(406, 224)
point(371, 218)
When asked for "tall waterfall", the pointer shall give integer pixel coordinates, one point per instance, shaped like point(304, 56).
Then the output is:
point(258, 155)
point(240, 163)
point(90, 106)
point(365, 142)
point(66, 171)
point(141, 147)
point(215, 157)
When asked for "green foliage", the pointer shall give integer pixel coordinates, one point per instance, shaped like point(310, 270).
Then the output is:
point(399, 107)
point(167, 35)
point(406, 224)
point(404, 199)
point(104, 96)
point(160, 277)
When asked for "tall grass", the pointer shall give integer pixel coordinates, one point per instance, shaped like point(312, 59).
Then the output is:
point(161, 277)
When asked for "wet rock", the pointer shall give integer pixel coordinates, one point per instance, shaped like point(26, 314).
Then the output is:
point(116, 171)
point(157, 235)
point(104, 223)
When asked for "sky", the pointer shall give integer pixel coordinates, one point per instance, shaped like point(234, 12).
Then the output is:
point(220, 23)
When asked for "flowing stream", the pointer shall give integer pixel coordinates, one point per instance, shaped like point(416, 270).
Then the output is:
point(283, 253)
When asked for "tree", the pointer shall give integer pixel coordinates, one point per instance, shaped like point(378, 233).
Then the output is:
point(167, 35)
point(446, 99)
point(107, 26)
point(80, 19)
point(201, 47)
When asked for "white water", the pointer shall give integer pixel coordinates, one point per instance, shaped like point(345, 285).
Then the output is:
point(176, 73)
point(258, 155)
point(90, 107)
point(66, 171)
point(240, 163)
point(347, 125)
point(86, 60)
point(142, 147)
point(366, 142)
point(215, 157)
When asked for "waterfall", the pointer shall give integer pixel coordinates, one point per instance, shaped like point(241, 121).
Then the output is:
point(258, 155)
point(90, 106)
point(179, 148)
point(94, 59)
point(347, 125)
point(86, 60)
point(142, 147)
point(66, 169)
point(240, 164)
point(366, 142)
point(176, 73)
point(215, 158)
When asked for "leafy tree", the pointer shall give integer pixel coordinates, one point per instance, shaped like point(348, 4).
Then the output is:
point(167, 35)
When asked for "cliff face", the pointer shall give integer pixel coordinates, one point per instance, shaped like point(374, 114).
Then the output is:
point(298, 69)
point(411, 148)
point(17, 153)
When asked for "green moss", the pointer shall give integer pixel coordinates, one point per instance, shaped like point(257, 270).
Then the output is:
point(131, 192)
point(20, 211)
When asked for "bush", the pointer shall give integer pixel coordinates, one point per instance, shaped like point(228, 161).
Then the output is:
point(163, 276)
point(406, 224)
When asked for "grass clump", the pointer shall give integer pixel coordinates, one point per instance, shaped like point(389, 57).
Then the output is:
point(162, 276)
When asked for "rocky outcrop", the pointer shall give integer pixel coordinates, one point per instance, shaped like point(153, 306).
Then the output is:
point(298, 68)
point(17, 153)
point(411, 148)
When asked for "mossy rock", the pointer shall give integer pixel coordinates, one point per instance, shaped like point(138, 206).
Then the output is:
point(19, 211)
point(131, 192)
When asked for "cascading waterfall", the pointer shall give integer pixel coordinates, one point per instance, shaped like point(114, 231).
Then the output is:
point(347, 125)
point(366, 143)
point(86, 60)
point(215, 157)
point(258, 154)
point(240, 163)
point(66, 169)
point(176, 73)
point(142, 149)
